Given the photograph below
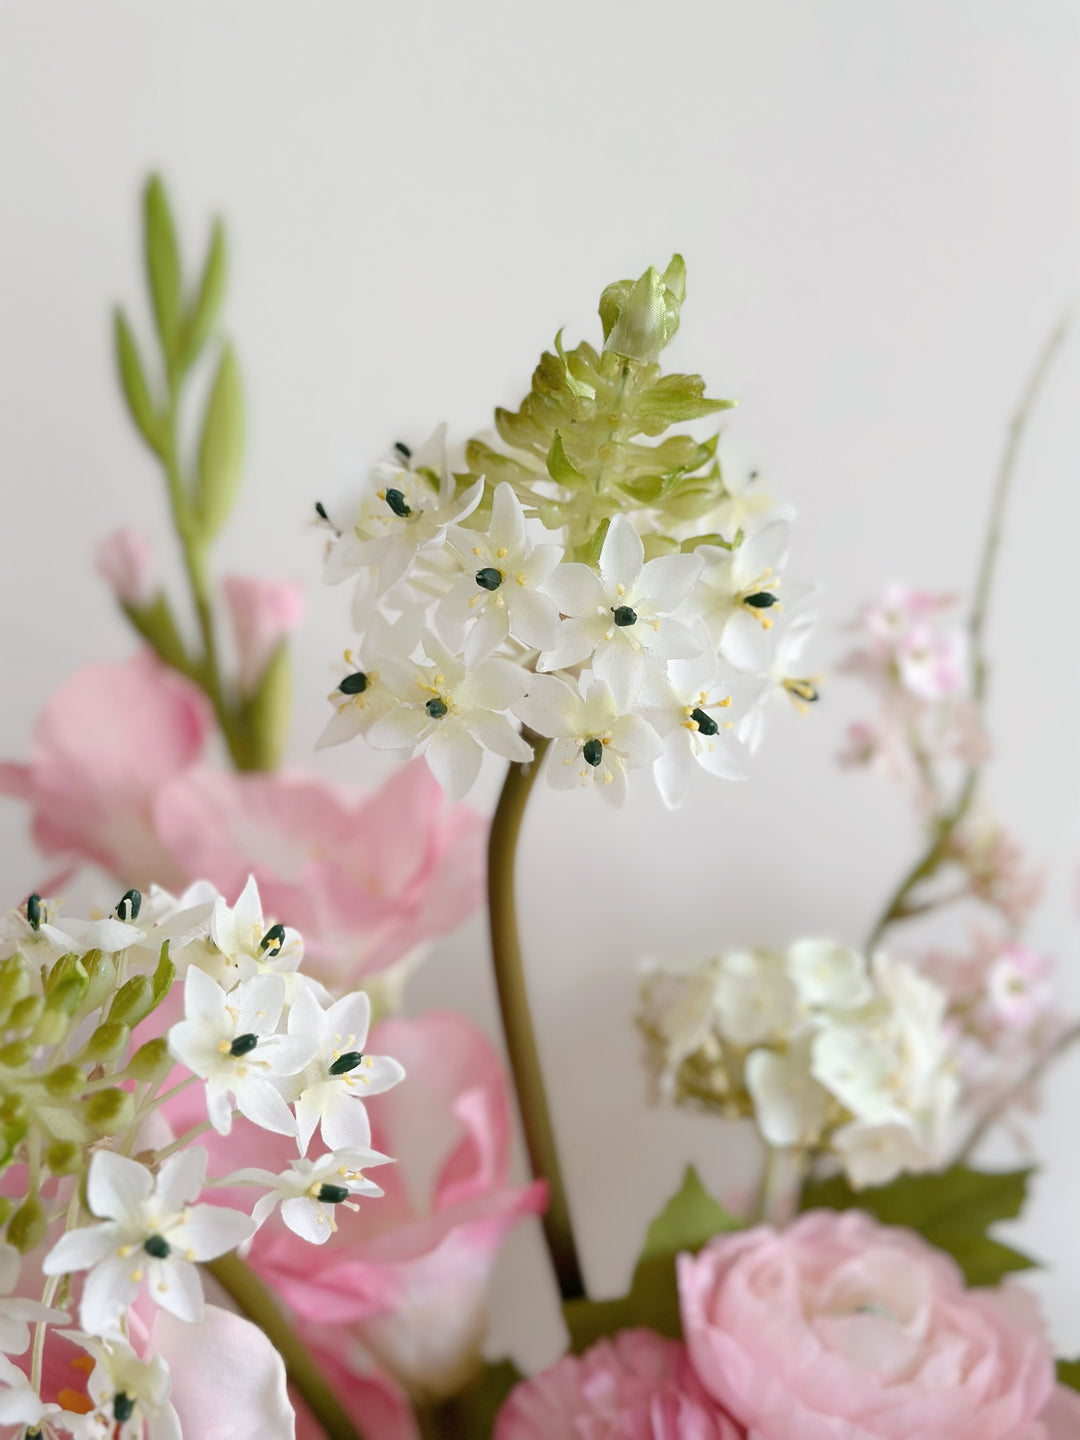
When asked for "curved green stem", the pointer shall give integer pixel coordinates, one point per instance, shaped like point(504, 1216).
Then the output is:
point(258, 1304)
point(898, 907)
point(517, 1021)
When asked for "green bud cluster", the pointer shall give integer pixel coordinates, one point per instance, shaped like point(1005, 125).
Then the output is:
point(590, 439)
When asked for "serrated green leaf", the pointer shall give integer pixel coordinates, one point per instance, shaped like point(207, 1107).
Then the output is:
point(133, 381)
point(953, 1210)
point(560, 467)
point(221, 448)
point(1068, 1373)
point(201, 317)
point(162, 264)
point(688, 1221)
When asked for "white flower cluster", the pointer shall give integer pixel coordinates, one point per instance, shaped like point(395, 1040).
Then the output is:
point(822, 1049)
point(266, 1041)
point(470, 629)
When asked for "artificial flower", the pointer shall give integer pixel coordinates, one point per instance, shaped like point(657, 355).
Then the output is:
point(265, 611)
point(125, 561)
point(739, 591)
point(310, 1191)
point(17, 1312)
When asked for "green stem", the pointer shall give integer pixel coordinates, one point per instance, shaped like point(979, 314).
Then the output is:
point(945, 825)
point(258, 1304)
point(517, 1021)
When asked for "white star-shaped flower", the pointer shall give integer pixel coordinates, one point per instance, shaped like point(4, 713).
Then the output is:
point(16, 1313)
point(409, 502)
point(783, 677)
point(623, 614)
point(130, 1397)
point(150, 1234)
point(596, 742)
point(331, 1090)
point(739, 595)
point(20, 1403)
point(230, 1041)
point(756, 1000)
point(248, 943)
point(310, 1191)
point(691, 710)
point(499, 593)
point(453, 713)
point(789, 1105)
point(362, 695)
point(36, 934)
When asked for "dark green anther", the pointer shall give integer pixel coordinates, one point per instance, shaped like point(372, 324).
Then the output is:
point(705, 723)
point(436, 708)
point(243, 1045)
point(624, 615)
point(273, 940)
point(123, 1407)
point(332, 1194)
point(489, 578)
point(592, 752)
point(344, 1063)
point(354, 684)
point(157, 1246)
point(398, 504)
point(34, 912)
point(129, 906)
point(403, 449)
point(762, 600)
point(320, 511)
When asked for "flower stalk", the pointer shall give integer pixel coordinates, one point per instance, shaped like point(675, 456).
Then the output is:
point(517, 1021)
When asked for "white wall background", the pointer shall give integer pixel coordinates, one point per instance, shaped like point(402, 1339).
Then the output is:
point(880, 210)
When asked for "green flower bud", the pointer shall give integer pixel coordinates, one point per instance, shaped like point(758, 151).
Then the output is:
point(65, 1080)
point(108, 1041)
point(66, 968)
point(109, 1111)
point(151, 1061)
point(641, 317)
point(28, 1226)
point(64, 1157)
point(66, 996)
point(13, 1110)
point(102, 972)
point(26, 1012)
point(134, 1000)
point(16, 981)
point(51, 1029)
point(16, 1053)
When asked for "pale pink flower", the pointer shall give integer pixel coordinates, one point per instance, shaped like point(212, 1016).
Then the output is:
point(1020, 989)
point(636, 1386)
point(103, 746)
point(125, 561)
point(843, 1326)
point(365, 880)
point(264, 613)
point(932, 665)
point(1061, 1418)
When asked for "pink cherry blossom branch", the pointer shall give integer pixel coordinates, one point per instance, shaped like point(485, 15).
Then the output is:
point(1034, 1072)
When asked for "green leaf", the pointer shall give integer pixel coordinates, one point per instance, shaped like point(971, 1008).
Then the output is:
point(560, 467)
point(580, 389)
point(133, 380)
point(163, 975)
point(155, 623)
point(687, 1222)
point(221, 449)
point(267, 712)
point(198, 323)
point(473, 1411)
point(162, 264)
point(1068, 1373)
point(953, 1210)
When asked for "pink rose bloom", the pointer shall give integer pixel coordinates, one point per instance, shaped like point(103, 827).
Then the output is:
point(103, 746)
point(125, 561)
point(636, 1386)
point(364, 880)
point(841, 1328)
point(264, 613)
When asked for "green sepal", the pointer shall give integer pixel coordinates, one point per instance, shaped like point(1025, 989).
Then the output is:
point(154, 622)
point(133, 382)
point(268, 710)
point(580, 389)
point(28, 1226)
point(952, 1210)
point(688, 1221)
point(675, 400)
point(199, 321)
point(162, 256)
point(151, 1062)
point(109, 1041)
point(596, 542)
point(164, 974)
point(221, 449)
point(560, 467)
point(109, 1111)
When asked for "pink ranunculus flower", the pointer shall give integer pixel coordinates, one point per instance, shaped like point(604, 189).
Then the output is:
point(364, 880)
point(264, 612)
point(103, 746)
point(405, 1277)
point(125, 561)
point(840, 1328)
point(636, 1386)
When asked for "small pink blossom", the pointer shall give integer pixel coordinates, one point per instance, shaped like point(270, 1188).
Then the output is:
point(102, 748)
point(636, 1386)
point(264, 613)
point(125, 561)
point(1020, 989)
point(364, 880)
point(843, 1326)
point(932, 665)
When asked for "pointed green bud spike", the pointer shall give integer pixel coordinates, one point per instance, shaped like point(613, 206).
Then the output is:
point(201, 317)
point(134, 1000)
point(64, 1157)
point(164, 974)
point(102, 972)
point(646, 314)
point(151, 1062)
point(29, 1225)
point(108, 1042)
point(65, 1081)
point(162, 263)
point(109, 1111)
point(269, 709)
point(134, 384)
point(221, 449)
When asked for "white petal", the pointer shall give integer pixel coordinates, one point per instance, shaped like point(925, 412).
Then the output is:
point(540, 565)
point(746, 644)
point(723, 756)
point(577, 639)
point(108, 1290)
point(258, 1003)
point(402, 728)
point(79, 1249)
point(576, 589)
point(211, 1230)
point(182, 1177)
point(621, 666)
point(175, 1286)
point(116, 1186)
point(309, 1109)
point(307, 1218)
point(345, 1123)
point(350, 1016)
point(622, 554)
point(673, 770)
point(664, 583)
point(487, 634)
point(497, 734)
point(381, 1072)
point(533, 618)
point(454, 758)
point(204, 999)
point(263, 1106)
point(495, 685)
point(767, 550)
point(638, 740)
point(507, 528)
point(552, 707)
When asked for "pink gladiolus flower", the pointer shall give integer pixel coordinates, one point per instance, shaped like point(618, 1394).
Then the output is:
point(636, 1386)
point(364, 881)
point(103, 746)
point(842, 1326)
point(125, 561)
point(264, 612)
